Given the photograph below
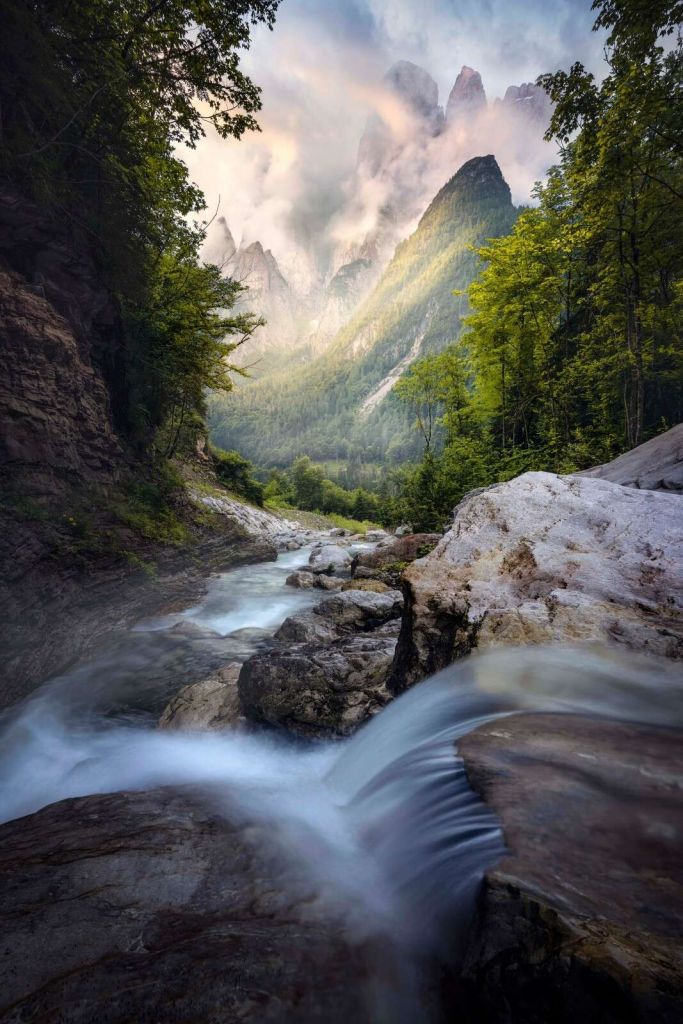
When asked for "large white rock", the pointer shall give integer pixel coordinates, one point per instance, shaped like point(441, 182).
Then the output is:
point(542, 559)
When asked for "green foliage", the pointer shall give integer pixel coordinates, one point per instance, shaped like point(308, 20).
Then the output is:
point(236, 473)
point(150, 510)
point(574, 349)
point(96, 96)
point(354, 525)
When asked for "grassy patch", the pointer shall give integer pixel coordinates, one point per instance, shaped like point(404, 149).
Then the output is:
point(354, 525)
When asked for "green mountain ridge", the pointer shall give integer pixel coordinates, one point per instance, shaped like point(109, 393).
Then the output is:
point(340, 406)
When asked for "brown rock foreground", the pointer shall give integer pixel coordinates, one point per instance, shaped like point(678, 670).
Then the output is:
point(583, 921)
point(137, 907)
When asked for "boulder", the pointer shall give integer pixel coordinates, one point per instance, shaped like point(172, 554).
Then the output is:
point(339, 531)
point(324, 582)
point(302, 579)
point(547, 559)
point(210, 704)
point(375, 535)
point(581, 921)
point(358, 609)
point(152, 907)
point(329, 558)
point(656, 465)
point(306, 628)
point(403, 530)
point(344, 613)
point(329, 668)
point(320, 691)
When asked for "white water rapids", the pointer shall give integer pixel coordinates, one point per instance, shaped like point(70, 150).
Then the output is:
point(385, 819)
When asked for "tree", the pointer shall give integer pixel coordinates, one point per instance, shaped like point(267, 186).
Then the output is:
point(307, 481)
point(95, 96)
point(625, 173)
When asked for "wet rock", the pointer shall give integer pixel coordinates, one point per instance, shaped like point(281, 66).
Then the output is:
point(302, 579)
point(320, 691)
point(581, 922)
point(362, 572)
point(329, 558)
point(328, 670)
point(151, 907)
point(339, 531)
point(344, 613)
point(547, 559)
point(324, 582)
point(212, 703)
point(307, 628)
point(192, 630)
point(356, 609)
point(376, 535)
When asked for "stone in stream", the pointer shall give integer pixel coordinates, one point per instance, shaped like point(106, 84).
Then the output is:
point(582, 921)
point(328, 670)
point(209, 704)
point(547, 559)
point(324, 582)
point(302, 579)
point(148, 906)
point(329, 558)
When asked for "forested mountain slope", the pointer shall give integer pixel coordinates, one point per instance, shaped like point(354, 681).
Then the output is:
point(340, 405)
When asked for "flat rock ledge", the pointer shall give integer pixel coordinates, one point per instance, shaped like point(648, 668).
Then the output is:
point(138, 907)
point(547, 559)
point(582, 921)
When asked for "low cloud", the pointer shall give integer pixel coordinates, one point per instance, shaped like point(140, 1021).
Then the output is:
point(294, 186)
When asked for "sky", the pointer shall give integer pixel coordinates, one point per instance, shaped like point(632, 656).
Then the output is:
point(320, 72)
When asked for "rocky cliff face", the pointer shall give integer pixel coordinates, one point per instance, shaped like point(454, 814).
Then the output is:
point(61, 358)
point(529, 102)
point(64, 459)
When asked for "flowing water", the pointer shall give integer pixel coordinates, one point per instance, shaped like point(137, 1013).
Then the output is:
point(385, 819)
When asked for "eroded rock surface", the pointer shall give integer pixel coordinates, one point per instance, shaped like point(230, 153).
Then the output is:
point(211, 703)
point(547, 559)
point(329, 668)
point(582, 921)
point(149, 907)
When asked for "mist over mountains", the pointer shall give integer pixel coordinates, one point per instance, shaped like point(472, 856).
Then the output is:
point(308, 289)
point(339, 405)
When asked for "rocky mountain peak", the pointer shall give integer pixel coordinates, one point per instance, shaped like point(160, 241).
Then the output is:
point(467, 95)
point(221, 246)
point(530, 100)
point(479, 179)
point(415, 86)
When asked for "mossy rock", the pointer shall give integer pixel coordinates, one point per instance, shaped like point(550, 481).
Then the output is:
point(373, 586)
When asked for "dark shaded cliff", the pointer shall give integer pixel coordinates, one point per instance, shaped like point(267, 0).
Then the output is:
point(88, 539)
